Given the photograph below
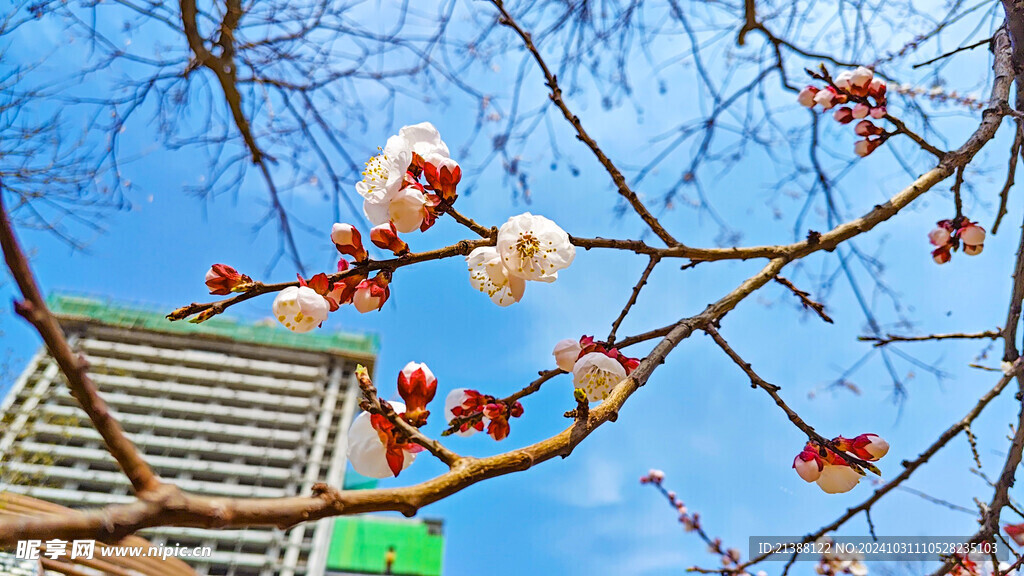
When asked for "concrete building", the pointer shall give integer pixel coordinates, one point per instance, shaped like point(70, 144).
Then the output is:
point(219, 408)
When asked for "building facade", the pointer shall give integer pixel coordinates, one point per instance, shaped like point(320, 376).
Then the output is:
point(220, 408)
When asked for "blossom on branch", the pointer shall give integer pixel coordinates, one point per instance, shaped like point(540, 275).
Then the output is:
point(391, 186)
point(488, 275)
point(860, 88)
point(462, 402)
point(534, 248)
point(348, 241)
point(949, 235)
point(374, 449)
point(833, 473)
point(476, 410)
point(300, 308)
point(596, 374)
point(371, 294)
point(222, 280)
point(386, 236)
point(595, 369)
point(417, 386)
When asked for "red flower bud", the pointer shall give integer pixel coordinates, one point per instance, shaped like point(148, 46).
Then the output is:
point(417, 386)
point(222, 279)
point(386, 236)
point(443, 174)
point(348, 241)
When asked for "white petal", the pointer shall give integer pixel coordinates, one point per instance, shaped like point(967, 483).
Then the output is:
point(597, 375)
point(366, 452)
point(487, 275)
point(838, 479)
point(407, 209)
point(566, 353)
point(424, 139)
point(376, 212)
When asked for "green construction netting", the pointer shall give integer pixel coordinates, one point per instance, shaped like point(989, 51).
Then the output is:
point(359, 546)
point(219, 326)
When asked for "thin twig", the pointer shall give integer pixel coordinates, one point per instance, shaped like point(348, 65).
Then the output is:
point(805, 299)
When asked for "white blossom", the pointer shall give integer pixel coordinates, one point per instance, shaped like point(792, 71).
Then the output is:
point(566, 353)
point(597, 374)
point(383, 177)
point(455, 398)
point(385, 172)
point(300, 308)
point(367, 452)
point(534, 248)
point(488, 275)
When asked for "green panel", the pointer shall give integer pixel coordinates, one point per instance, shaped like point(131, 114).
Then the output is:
point(218, 326)
point(359, 544)
point(356, 481)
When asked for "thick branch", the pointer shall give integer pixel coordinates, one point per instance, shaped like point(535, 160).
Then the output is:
point(33, 308)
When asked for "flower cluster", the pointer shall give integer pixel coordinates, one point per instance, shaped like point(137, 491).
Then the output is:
point(866, 94)
point(529, 247)
point(595, 369)
point(475, 411)
point(948, 235)
point(830, 470)
point(376, 448)
point(410, 181)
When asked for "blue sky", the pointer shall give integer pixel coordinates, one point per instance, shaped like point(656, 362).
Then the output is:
point(725, 448)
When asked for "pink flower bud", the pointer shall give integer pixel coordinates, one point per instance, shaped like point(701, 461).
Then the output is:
point(878, 112)
point(877, 88)
point(806, 96)
point(656, 476)
point(873, 445)
point(808, 465)
point(861, 77)
point(972, 234)
point(861, 111)
point(866, 128)
point(864, 147)
point(827, 98)
point(843, 115)
point(222, 279)
point(941, 255)
point(973, 249)
point(371, 294)
point(443, 174)
point(939, 236)
point(385, 236)
point(348, 241)
point(843, 80)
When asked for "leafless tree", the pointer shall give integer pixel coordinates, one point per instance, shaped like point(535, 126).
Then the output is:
point(257, 80)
